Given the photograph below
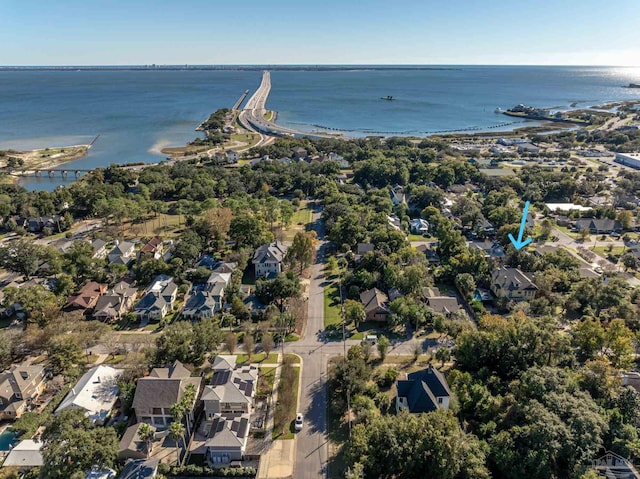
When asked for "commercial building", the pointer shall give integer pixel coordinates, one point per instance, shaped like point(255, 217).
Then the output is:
point(628, 159)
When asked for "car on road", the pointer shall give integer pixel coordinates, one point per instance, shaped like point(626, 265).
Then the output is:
point(299, 421)
point(614, 234)
point(598, 269)
point(372, 339)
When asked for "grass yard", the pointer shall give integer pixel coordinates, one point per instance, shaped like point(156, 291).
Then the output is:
point(332, 314)
point(168, 226)
point(604, 250)
point(290, 432)
point(294, 358)
point(299, 221)
point(266, 379)
point(257, 358)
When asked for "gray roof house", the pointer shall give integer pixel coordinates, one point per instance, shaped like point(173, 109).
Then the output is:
point(115, 302)
point(228, 403)
point(131, 446)
point(599, 225)
point(375, 304)
point(201, 305)
point(512, 284)
point(156, 393)
point(140, 469)
point(122, 253)
point(158, 299)
point(268, 259)
point(25, 455)
point(423, 391)
point(19, 385)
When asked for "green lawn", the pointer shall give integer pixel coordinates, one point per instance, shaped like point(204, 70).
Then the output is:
point(332, 305)
point(295, 359)
point(266, 379)
point(299, 221)
point(292, 413)
point(257, 358)
point(413, 237)
point(604, 250)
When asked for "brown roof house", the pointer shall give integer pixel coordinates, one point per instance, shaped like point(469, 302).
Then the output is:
point(152, 250)
point(19, 385)
point(86, 298)
point(375, 304)
point(156, 393)
point(131, 445)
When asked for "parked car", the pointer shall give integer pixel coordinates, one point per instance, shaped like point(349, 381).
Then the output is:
point(299, 422)
point(372, 339)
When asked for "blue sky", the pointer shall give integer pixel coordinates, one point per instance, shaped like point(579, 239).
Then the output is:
point(124, 32)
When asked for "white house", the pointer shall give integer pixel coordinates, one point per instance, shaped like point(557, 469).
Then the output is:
point(419, 226)
point(96, 392)
point(268, 259)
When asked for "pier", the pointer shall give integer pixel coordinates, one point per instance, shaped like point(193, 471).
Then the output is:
point(252, 116)
point(236, 105)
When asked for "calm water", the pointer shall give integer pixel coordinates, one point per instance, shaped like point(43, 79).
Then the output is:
point(136, 113)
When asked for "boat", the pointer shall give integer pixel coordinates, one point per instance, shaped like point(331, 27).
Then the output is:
point(634, 85)
point(386, 98)
point(498, 110)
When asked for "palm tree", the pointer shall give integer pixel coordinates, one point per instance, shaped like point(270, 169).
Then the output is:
point(187, 401)
point(146, 433)
point(176, 433)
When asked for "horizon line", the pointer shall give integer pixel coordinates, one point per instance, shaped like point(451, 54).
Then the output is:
point(84, 65)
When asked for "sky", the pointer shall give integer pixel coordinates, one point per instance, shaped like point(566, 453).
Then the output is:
point(263, 32)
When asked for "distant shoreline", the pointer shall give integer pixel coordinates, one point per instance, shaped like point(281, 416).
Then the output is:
point(233, 68)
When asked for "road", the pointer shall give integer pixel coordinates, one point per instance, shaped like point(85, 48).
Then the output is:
point(312, 441)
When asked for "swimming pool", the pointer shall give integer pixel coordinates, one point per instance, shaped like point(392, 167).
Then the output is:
point(8, 438)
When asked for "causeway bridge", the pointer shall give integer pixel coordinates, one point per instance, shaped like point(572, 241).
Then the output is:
point(252, 116)
point(51, 172)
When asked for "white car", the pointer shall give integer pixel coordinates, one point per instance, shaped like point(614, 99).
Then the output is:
point(299, 421)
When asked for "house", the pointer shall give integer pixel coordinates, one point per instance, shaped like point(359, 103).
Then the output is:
point(152, 250)
point(268, 259)
point(232, 156)
point(394, 222)
point(19, 386)
point(38, 224)
point(228, 402)
point(438, 303)
point(115, 302)
point(231, 389)
point(362, 249)
point(423, 391)
point(131, 445)
point(598, 225)
point(25, 455)
point(528, 148)
point(299, 152)
point(419, 226)
point(375, 304)
point(398, 196)
point(96, 392)
point(86, 298)
point(140, 469)
point(512, 284)
point(122, 253)
point(227, 441)
point(99, 473)
point(430, 252)
point(202, 305)
point(99, 248)
point(158, 299)
point(156, 393)
point(490, 249)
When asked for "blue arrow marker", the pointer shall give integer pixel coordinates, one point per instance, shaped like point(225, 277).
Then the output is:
point(519, 244)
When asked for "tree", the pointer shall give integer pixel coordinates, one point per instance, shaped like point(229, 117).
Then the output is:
point(367, 349)
point(22, 256)
point(230, 342)
point(267, 343)
point(619, 345)
point(72, 445)
point(206, 338)
point(219, 222)
point(411, 446)
point(629, 261)
point(417, 351)
point(625, 217)
point(279, 289)
point(248, 343)
point(176, 433)
point(302, 249)
point(466, 284)
point(588, 336)
point(146, 434)
point(40, 304)
point(443, 355)
point(383, 347)
point(249, 230)
point(354, 312)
